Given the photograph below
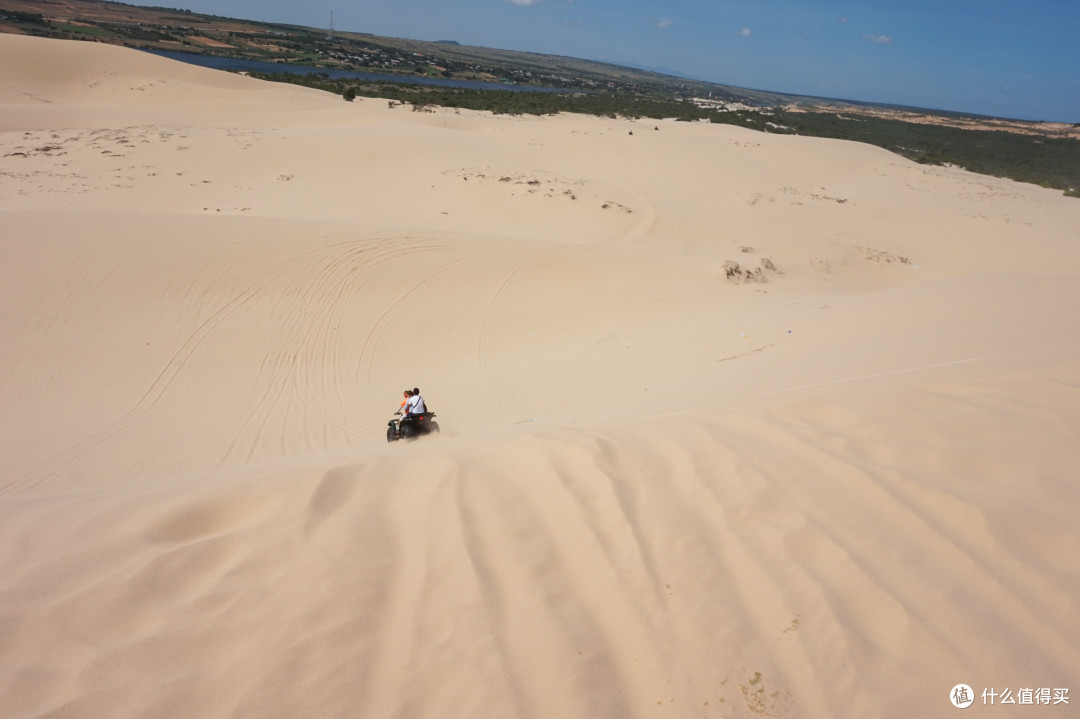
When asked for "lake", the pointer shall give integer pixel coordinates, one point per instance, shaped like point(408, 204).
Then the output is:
point(237, 65)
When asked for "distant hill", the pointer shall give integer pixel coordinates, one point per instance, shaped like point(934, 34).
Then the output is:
point(170, 29)
point(1042, 153)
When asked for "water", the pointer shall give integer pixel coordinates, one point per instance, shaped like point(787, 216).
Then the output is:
point(235, 65)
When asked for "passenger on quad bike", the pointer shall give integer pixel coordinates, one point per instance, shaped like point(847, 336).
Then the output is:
point(415, 418)
point(414, 404)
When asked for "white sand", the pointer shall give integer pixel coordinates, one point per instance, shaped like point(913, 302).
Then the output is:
point(657, 492)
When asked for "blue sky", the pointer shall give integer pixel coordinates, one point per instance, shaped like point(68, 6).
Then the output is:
point(1006, 58)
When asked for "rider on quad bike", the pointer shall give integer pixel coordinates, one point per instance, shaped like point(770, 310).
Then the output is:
point(415, 418)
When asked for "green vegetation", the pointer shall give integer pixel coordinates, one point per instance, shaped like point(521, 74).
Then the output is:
point(524, 102)
point(1047, 161)
point(83, 30)
point(23, 18)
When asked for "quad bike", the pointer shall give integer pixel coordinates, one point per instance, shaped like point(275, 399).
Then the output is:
point(412, 426)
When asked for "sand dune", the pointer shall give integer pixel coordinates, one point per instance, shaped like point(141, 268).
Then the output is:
point(734, 424)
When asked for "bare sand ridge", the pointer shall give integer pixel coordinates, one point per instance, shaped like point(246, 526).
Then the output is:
point(734, 424)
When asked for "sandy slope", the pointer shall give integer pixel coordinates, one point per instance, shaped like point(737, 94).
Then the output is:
point(733, 424)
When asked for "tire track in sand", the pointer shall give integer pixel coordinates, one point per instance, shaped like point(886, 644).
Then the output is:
point(369, 349)
point(148, 400)
point(302, 361)
point(484, 361)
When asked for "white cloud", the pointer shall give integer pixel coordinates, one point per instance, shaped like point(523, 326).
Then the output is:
point(843, 21)
point(746, 32)
point(879, 39)
point(524, 3)
point(663, 24)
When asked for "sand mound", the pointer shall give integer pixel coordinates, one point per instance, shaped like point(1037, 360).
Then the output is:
point(733, 424)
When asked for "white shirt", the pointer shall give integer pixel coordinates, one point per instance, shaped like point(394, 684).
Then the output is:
point(415, 405)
